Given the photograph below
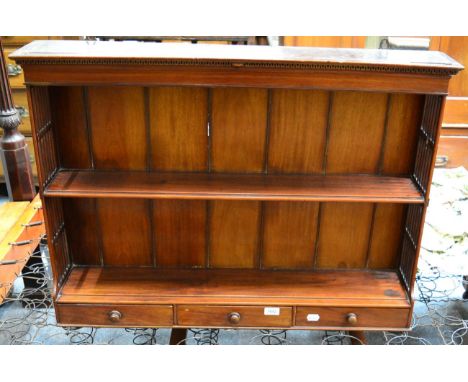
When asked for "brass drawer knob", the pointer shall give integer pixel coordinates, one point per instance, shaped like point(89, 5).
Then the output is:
point(234, 317)
point(351, 318)
point(115, 315)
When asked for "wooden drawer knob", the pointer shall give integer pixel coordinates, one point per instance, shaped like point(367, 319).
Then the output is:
point(234, 317)
point(115, 315)
point(351, 318)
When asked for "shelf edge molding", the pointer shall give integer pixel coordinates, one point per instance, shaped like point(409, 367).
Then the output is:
point(214, 186)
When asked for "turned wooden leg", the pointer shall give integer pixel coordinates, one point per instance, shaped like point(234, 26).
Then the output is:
point(360, 337)
point(178, 336)
point(14, 153)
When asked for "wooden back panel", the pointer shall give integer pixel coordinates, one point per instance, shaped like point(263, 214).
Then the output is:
point(276, 235)
point(235, 130)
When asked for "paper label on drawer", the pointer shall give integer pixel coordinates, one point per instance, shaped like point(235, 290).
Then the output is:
point(271, 311)
point(313, 317)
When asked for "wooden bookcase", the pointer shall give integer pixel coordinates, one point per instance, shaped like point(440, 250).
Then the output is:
point(234, 186)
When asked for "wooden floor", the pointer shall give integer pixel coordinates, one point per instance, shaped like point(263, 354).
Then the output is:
point(246, 287)
point(10, 212)
point(15, 220)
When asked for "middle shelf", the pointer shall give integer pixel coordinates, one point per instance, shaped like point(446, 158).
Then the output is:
point(216, 186)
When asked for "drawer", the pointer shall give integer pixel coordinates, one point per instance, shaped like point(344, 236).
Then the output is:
point(333, 317)
point(234, 316)
point(15, 72)
point(114, 315)
point(452, 151)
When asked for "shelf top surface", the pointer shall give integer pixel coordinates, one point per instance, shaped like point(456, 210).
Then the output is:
point(246, 286)
point(134, 52)
point(139, 184)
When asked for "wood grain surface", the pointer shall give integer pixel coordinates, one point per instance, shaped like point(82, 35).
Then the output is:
point(228, 286)
point(117, 184)
point(117, 117)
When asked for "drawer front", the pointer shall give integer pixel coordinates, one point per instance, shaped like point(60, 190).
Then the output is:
point(114, 315)
point(15, 72)
point(352, 317)
point(234, 316)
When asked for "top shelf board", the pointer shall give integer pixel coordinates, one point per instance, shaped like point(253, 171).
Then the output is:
point(215, 186)
point(121, 52)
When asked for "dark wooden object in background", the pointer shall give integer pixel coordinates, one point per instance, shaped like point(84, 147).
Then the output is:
point(233, 40)
point(453, 146)
point(234, 186)
point(13, 148)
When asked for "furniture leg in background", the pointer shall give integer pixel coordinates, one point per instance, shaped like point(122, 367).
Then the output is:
point(360, 337)
point(178, 336)
point(13, 148)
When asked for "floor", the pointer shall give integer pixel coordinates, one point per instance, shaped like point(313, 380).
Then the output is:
point(440, 316)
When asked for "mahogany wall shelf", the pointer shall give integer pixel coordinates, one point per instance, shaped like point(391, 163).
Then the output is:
point(234, 186)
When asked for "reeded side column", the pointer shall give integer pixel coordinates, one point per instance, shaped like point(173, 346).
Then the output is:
point(13, 148)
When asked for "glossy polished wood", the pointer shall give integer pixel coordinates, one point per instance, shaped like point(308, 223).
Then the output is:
point(114, 315)
point(298, 131)
point(350, 121)
point(227, 183)
point(234, 230)
point(286, 223)
point(452, 150)
point(71, 126)
point(77, 62)
point(350, 222)
point(238, 138)
point(118, 245)
point(41, 51)
point(235, 187)
point(242, 286)
point(232, 316)
point(351, 318)
point(403, 117)
point(111, 109)
point(179, 233)
point(178, 120)
point(456, 113)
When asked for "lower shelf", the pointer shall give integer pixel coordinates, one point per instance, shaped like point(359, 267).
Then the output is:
point(145, 297)
point(245, 287)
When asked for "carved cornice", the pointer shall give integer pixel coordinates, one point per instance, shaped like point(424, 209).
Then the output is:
point(317, 66)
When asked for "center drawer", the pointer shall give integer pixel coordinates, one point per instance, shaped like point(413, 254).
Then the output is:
point(234, 316)
point(114, 315)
